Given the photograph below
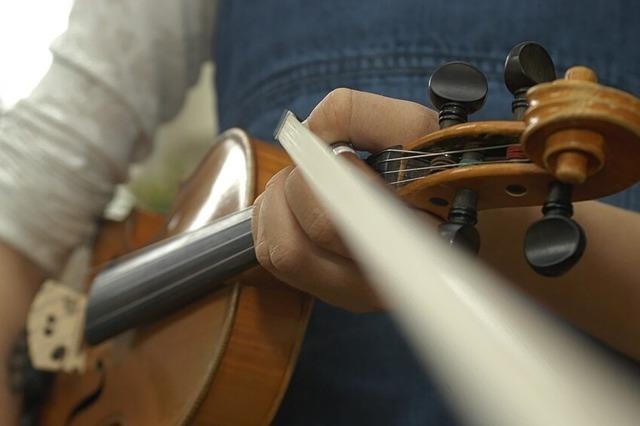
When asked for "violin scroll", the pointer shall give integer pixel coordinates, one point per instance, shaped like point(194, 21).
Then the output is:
point(577, 128)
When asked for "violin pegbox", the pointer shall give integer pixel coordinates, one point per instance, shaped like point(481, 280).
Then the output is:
point(586, 135)
point(569, 140)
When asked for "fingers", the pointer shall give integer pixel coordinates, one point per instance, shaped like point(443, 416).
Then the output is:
point(283, 249)
point(372, 122)
point(311, 216)
point(258, 225)
point(294, 237)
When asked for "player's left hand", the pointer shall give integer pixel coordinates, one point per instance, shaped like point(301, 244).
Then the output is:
point(294, 238)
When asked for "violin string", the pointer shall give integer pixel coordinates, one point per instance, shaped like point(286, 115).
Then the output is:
point(177, 283)
point(422, 154)
point(98, 268)
point(448, 166)
point(209, 250)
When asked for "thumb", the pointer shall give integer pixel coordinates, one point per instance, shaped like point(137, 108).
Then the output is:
point(371, 122)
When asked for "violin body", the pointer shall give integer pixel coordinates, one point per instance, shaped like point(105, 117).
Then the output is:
point(225, 360)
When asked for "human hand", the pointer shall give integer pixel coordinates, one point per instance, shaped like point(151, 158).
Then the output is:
point(294, 237)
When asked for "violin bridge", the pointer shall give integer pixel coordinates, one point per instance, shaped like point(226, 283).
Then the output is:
point(55, 329)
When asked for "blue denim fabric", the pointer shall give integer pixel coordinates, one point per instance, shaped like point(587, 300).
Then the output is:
point(271, 55)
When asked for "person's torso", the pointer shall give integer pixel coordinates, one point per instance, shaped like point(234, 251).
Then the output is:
point(290, 53)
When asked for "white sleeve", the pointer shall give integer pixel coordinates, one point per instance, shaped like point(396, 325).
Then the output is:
point(121, 69)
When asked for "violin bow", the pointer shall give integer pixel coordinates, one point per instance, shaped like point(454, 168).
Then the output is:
point(498, 357)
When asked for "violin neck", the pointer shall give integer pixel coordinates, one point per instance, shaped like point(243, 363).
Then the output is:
point(168, 275)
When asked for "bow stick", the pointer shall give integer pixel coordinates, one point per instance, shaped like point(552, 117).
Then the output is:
point(500, 359)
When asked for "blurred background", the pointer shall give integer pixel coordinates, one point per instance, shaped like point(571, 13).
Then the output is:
point(179, 144)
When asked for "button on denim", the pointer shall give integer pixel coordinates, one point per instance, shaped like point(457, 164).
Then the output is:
point(277, 54)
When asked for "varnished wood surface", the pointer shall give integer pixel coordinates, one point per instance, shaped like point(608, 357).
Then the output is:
point(265, 340)
point(598, 122)
point(225, 360)
point(470, 131)
point(494, 183)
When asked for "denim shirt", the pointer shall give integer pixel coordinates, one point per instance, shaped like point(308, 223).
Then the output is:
point(271, 55)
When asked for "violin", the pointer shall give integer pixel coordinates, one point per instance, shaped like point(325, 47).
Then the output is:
point(185, 331)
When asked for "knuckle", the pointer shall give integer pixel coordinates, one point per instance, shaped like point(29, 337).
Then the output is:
point(262, 255)
point(321, 231)
point(280, 176)
point(337, 107)
point(338, 96)
point(255, 214)
point(313, 219)
point(285, 259)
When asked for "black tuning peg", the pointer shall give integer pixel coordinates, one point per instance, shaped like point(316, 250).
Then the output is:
point(556, 242)
point(527, 64)
point(459, 230)
point(457, 89)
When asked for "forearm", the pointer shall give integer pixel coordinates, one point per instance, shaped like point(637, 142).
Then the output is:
point(601, 294)
point(19, 281)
